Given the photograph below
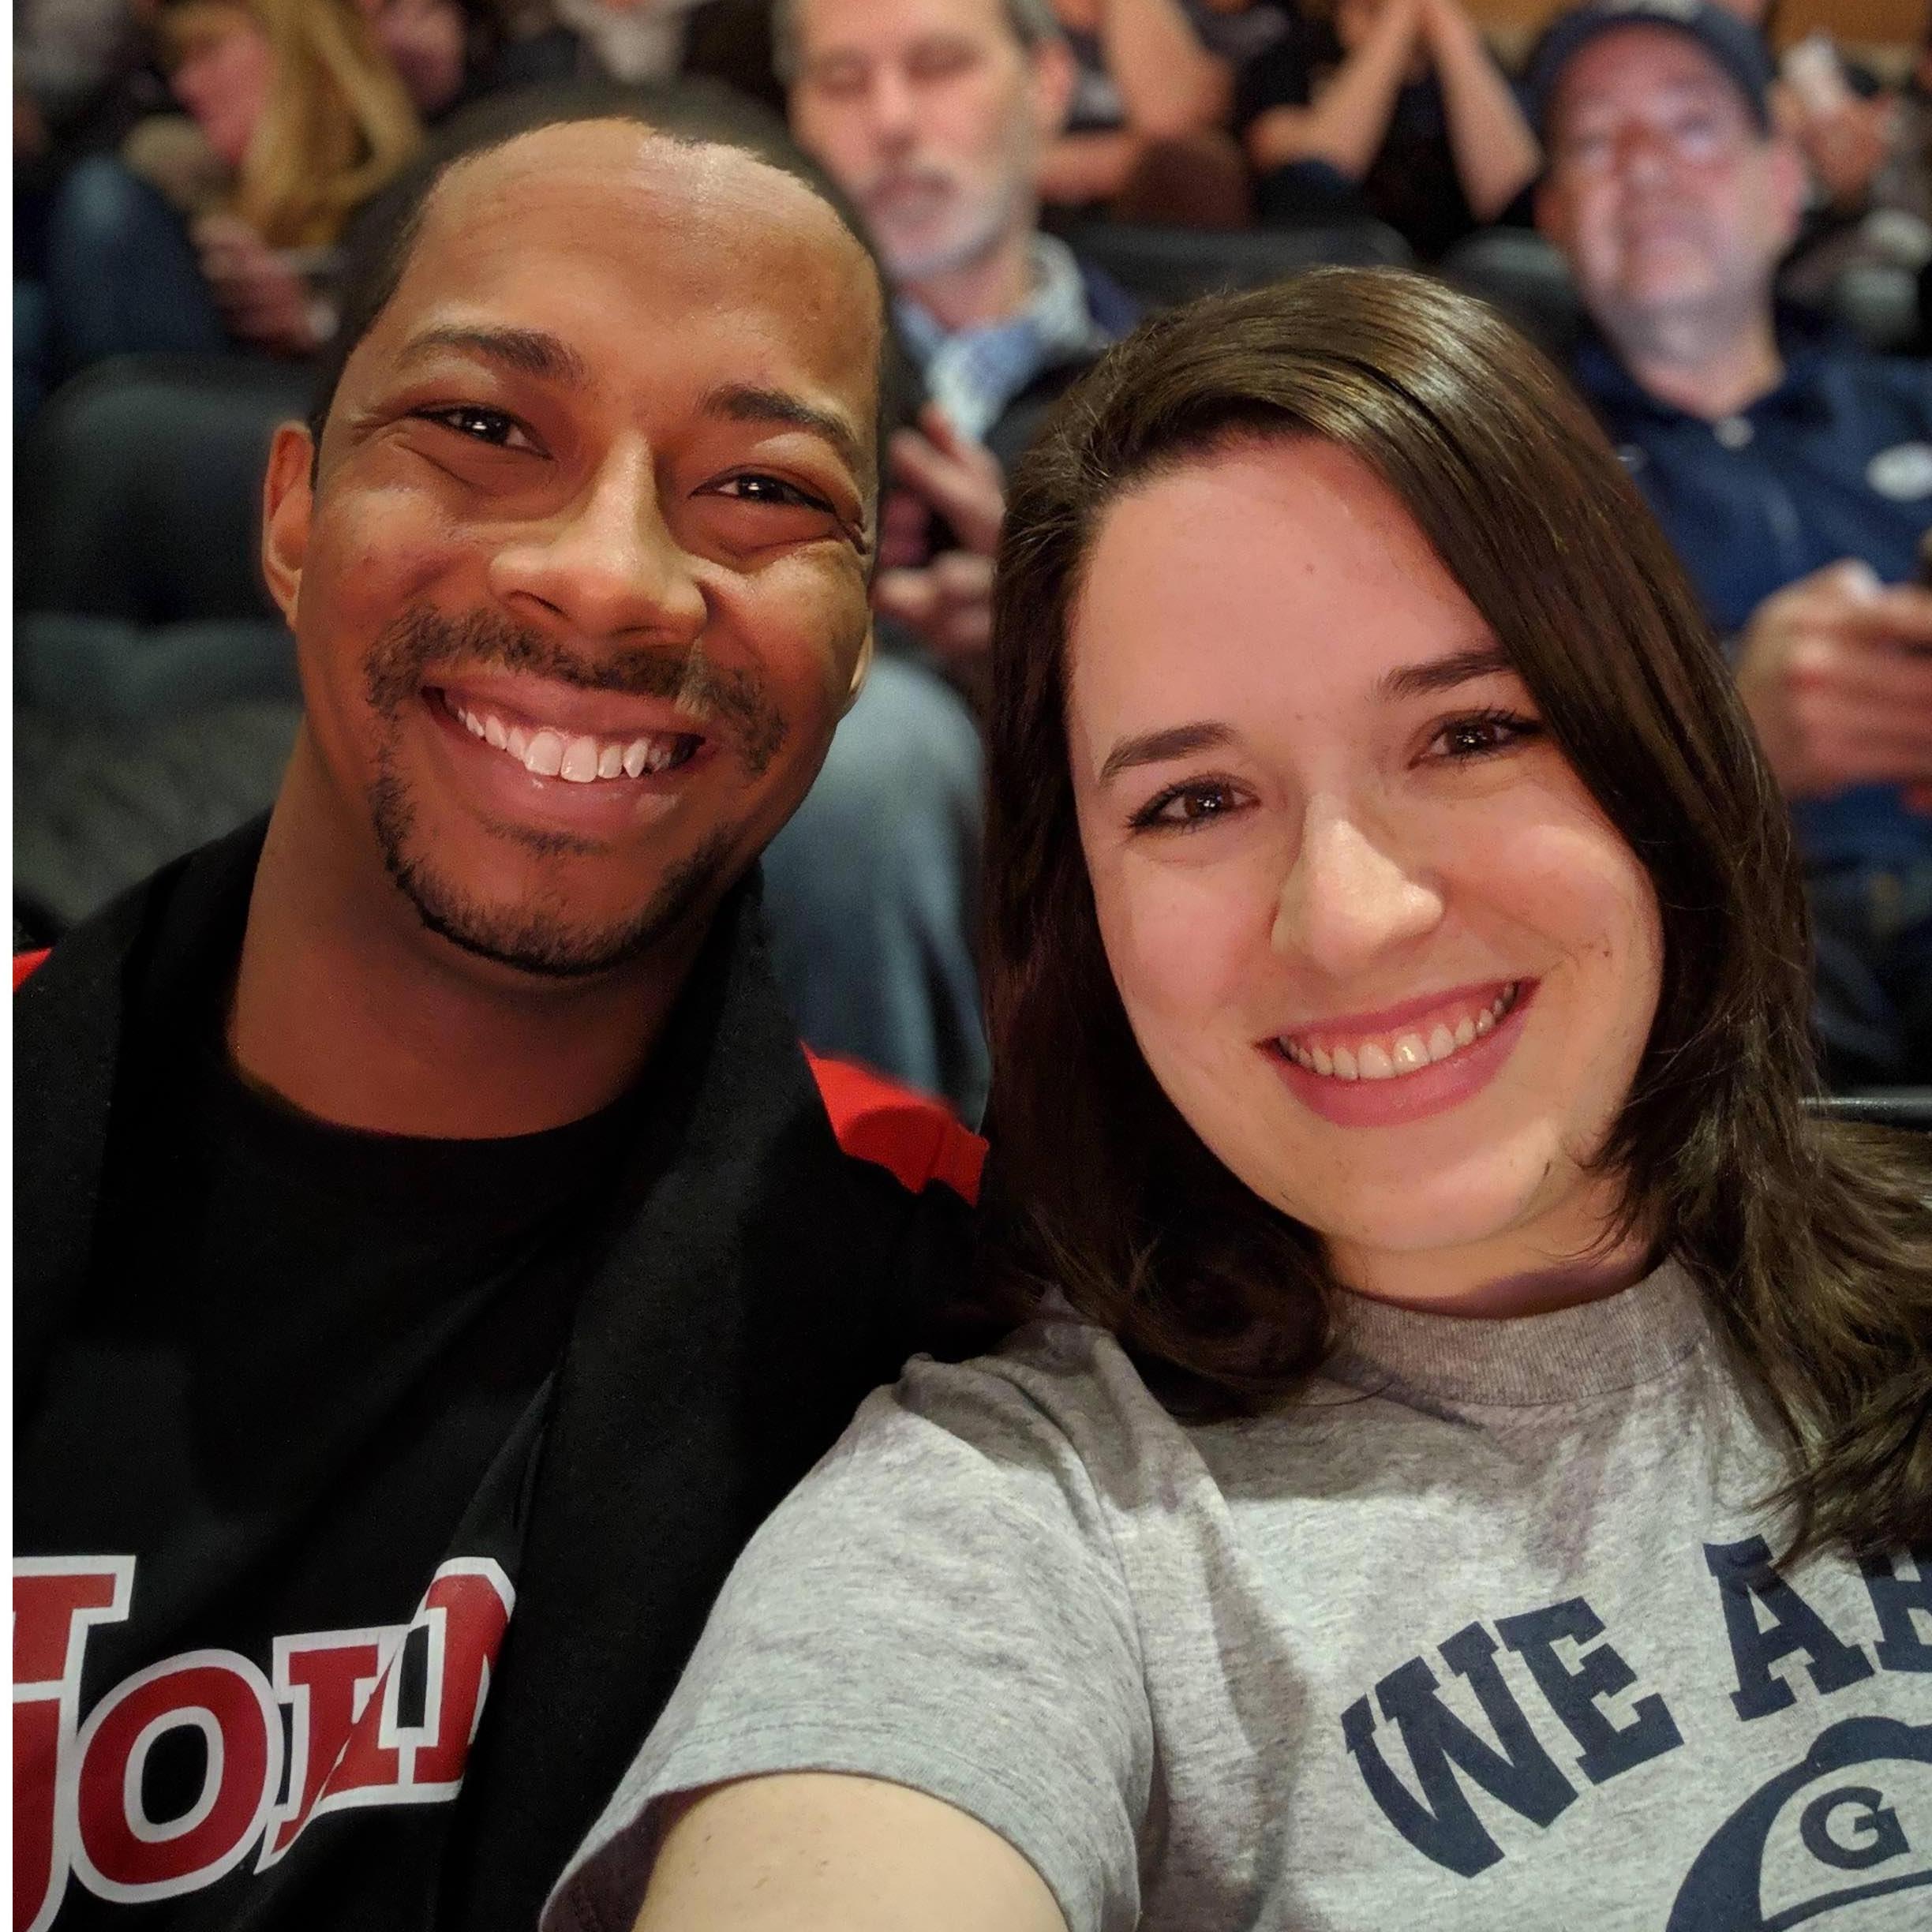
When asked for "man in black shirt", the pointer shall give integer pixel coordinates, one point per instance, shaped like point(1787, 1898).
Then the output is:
point(434, 1253)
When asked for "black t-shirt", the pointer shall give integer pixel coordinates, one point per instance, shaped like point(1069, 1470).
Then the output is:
point(1412, 183)
point(269, 1503)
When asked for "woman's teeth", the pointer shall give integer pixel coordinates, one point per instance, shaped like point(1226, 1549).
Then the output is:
point(579, 759)
point(1404, 1053)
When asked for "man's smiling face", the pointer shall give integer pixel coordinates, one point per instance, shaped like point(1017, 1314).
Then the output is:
point(579, 590)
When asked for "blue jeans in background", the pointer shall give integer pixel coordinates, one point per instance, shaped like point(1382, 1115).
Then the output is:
point(871, 890)
point(122, 274)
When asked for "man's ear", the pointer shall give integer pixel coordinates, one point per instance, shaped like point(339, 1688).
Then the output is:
point(1054, 78)
point(861, 670)
point(288, 496)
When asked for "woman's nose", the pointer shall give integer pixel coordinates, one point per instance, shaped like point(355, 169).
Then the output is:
point(1350, 897)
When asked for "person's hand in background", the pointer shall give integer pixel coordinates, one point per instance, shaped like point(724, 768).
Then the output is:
point(1836, 670)
point(262, 299)
point(946, 600)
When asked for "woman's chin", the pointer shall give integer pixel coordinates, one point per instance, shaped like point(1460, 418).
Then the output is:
point(1491, 1209)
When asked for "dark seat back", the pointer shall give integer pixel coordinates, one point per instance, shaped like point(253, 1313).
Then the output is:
point(1515, 271)
point(1898, 1106)
point(138, 490)
point(1165, 266)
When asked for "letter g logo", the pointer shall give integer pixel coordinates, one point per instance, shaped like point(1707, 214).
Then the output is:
point(1870, 1836)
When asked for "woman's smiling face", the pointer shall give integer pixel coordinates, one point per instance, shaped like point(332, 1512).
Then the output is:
point(1377, 944)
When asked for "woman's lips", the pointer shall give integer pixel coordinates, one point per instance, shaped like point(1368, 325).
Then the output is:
point(1436, 1032)
point(1416, 1091)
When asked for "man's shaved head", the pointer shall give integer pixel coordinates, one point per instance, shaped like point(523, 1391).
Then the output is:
point(744, 147)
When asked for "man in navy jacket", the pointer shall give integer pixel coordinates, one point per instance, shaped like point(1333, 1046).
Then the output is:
point(1793, 473)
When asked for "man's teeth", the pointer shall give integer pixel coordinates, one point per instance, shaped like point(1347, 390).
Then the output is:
point(579, 760)
point(1405, 1053)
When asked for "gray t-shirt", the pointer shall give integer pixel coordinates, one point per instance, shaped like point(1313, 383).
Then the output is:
point(1474, 1635)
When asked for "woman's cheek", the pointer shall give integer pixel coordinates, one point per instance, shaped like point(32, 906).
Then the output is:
point(1184, 942)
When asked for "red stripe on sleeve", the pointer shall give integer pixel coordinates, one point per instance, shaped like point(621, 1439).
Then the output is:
point(915, 1138)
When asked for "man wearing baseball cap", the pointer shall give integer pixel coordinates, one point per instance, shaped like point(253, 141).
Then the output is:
point(1792, 471)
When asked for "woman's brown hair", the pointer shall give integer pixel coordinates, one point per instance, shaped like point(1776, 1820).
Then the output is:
point(1811, 1239)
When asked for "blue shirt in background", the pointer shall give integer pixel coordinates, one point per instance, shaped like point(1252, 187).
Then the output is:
point(1835, 462)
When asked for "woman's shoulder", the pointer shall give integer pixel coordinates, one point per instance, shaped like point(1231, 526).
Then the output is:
point(1059, 1380)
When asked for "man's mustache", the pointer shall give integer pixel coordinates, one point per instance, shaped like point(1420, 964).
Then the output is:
point(733, 701)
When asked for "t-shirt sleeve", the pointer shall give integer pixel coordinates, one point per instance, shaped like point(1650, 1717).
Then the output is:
point(938, 1604)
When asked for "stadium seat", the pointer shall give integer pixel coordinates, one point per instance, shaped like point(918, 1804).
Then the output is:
point(1517, 271)
point(1164, 266)
point(137, 588)
point(1898, 1106)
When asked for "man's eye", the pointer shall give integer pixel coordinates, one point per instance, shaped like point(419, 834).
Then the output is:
point(940, 62)
point(770, 489)
point(839, 79)
point(1187, 807)
point(482, 425)
point(1482, 734)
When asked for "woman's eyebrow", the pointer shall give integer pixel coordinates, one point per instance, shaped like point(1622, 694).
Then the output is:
point(1443, 674)
point(1152, 748)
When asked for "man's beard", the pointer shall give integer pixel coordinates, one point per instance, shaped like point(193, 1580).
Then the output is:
point(973, 232)
point(539, 936)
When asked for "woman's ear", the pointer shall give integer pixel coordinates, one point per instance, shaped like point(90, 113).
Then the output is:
point(288, 496)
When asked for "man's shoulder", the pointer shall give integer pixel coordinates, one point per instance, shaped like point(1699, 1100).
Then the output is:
point(1853, 378)
point(916, 1139)
point(1116, 310)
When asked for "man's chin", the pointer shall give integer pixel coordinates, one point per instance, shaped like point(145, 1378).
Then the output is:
point(541, 928)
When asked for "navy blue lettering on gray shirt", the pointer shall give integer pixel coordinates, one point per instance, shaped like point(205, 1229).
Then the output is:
point(1482, 1632)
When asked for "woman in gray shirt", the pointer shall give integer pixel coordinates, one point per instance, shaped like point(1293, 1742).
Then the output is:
point(1469, 1462)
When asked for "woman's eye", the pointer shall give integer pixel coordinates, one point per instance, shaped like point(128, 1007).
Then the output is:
point(1187, 807)
point(771, 489)
point(482, 425)
point(1482, 736)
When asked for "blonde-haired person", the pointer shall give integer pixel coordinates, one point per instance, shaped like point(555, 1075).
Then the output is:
point(218, 226)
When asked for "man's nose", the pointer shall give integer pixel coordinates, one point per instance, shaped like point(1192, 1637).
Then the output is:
point(1351, 896)
point(894, 109)
point(1645, 156)
point(609, 565)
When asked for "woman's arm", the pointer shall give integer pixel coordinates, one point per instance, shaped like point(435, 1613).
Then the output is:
point(1496, 156)
point(1171, 84)
point(1346, 126)
point(810, 1852)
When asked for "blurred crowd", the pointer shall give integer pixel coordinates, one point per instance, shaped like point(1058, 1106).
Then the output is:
point(1724, 228)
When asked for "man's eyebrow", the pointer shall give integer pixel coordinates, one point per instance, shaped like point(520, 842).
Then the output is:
point(1443, 674)
point(745, 402)
point(1153, 747)
point(529, 352)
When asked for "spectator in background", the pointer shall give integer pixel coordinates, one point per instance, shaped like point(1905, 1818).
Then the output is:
point(1390, 108)
point(66, 53)
point(1146, 134)
point(933, 116)
point(220, 230)
point(637, 41)
point(1842, 120)
point(1869, 148)
point(1794, 476)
